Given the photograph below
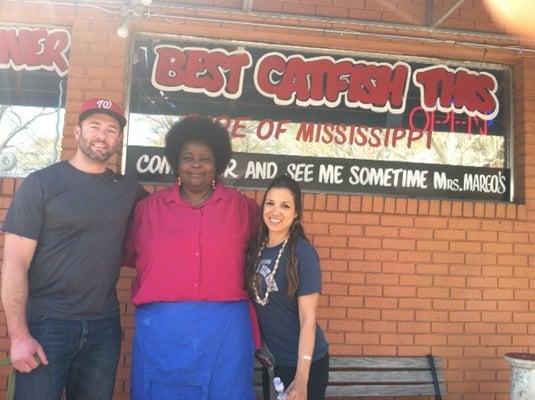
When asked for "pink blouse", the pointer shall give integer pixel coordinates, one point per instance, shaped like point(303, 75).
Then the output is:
point(183, 252)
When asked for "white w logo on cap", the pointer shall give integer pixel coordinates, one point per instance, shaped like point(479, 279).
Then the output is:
point(103, 103)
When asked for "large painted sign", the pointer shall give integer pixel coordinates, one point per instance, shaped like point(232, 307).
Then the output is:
point(335, 122)
point(33, 68)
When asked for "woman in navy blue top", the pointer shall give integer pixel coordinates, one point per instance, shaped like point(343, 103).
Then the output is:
point(283, 278)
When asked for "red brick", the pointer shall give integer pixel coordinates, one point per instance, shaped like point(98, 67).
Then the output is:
point(436, 245)
point(390, 205)
point(347, 254)
point(416, 280)
point(434, 293)
point(448, 234)
point(332, 288)
point(365, 14)
point(347, 277)
point(513, 283)
point(363, 219)
point(345, 325)
point(416, 233)
point(450, 258)
point(498, 294)
point(506, 248)
point(481, 259)
point(412, 206)
point(366, 291)
point(414, 327)
point(345, 301)
point(512, 329)
point(400, 244)
point(328, 217)
point(491, 316)
point(414, 256)
point(431, 316)
point(510, 237)
point(346, 230)
point(380, 231)
point(447, 327)
point(397, 315)
point(268, 5)
point(364, 314)
point(364, 243)
point(481, 305)
point(367, 204)
point(330, 241)
point(343, 203)
point(364, 266)
point(348, 3)
point(448, 304)
point(465, 316)
point(468, 247)
point(332, 202)
point(380, 302)
point(512, 305)
point(397, 339)
point(362, 338)
point(339, 12)
point(334, 265)
point(355, 203)
point(465, 293)
point(399, 291)
point(316, 228)
point(391, 220)
point(380, 255)
point(464, 223)
point(228, 3)
point(379, 326)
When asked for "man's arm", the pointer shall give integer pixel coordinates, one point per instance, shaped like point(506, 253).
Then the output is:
point(18, 253)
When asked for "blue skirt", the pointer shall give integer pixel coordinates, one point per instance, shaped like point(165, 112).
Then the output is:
point(192, 350)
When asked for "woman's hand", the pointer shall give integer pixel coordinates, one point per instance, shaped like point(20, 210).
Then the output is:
point(297, 391)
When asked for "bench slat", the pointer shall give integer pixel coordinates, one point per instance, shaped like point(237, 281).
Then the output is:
point(382, 390)
point(381, 362)
point(364, 377)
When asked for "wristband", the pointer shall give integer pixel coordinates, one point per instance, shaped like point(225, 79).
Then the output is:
point(309, 358)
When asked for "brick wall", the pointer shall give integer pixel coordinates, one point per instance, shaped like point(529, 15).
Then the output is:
point(401, 276)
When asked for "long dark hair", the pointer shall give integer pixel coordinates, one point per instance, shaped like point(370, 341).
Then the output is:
point(296, 232)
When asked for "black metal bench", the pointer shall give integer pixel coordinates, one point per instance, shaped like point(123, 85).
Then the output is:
point(355, 376)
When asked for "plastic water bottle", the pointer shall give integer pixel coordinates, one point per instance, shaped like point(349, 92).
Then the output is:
point(279, 388)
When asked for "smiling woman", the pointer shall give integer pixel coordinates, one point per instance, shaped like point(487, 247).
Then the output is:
point(194, 323)
point(284, 279)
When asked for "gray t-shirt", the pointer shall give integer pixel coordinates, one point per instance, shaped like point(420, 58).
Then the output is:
point(79, 221)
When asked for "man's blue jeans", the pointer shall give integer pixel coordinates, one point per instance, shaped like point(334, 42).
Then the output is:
point(82, 358)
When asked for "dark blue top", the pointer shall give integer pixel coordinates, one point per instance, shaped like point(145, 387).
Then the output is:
point(279, 318)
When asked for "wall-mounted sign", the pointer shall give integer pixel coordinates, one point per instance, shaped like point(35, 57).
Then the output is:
point(33, 68)
point(335, 122)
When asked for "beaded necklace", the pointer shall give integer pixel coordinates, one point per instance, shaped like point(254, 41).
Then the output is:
point(271, 277)
point(183, 194)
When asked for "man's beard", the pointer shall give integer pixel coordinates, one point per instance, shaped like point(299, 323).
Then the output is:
point(85, 147)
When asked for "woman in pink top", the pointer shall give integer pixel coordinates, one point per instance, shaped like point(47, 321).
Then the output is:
point(193, 331)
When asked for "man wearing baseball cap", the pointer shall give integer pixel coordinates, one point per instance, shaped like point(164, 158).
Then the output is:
point(63, 243)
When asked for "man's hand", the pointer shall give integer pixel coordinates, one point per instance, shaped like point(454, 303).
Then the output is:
point(26, 353)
